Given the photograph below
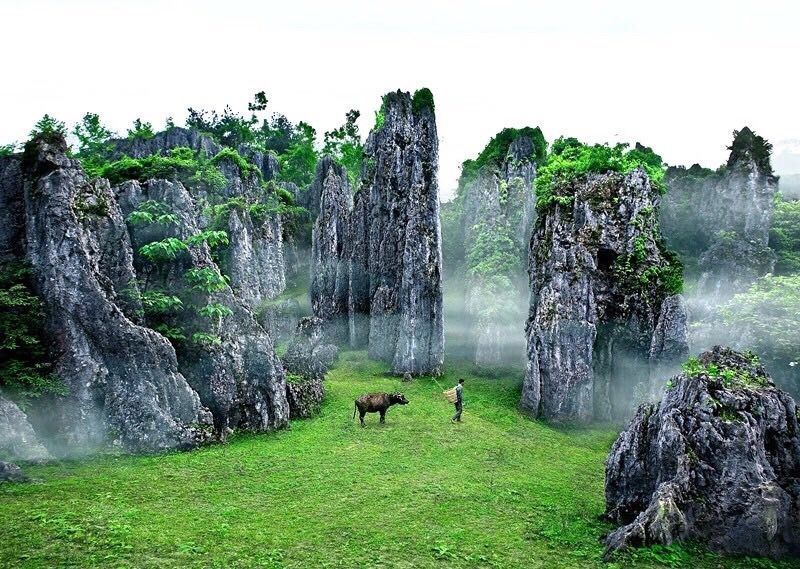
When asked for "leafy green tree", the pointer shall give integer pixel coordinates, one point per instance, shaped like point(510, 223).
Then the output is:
point(143, 130)
point(344, 145)
point(26, 370)
point(48, 127)
point(94, 143)
point(300, 160)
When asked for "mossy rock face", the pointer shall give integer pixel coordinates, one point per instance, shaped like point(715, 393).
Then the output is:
point(605, 314)
point(722, 449)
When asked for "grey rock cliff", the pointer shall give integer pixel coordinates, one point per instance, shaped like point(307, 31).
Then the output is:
point(123, 379)
point(498, 200)
point(404, 238)
point(601, 312)
point(716, 461)
point(329, 268)
point(719, 221)
point(238, 378)
point(387, 267)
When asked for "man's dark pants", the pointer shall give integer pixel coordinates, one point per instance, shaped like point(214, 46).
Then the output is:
point(459, 407)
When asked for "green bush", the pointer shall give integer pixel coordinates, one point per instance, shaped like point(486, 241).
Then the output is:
point(571, 159)
point(142, 130)
point(181, 164)
point(245, 168)
point(152, 212)
point(161, 251)
point(206, 279)
point(422, 99)
point(26, 370)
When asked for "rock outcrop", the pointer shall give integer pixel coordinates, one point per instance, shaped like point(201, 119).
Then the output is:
point(306, 361)
point(715, 461)
point(403, 247)
point(495, 208)
point(10, 472)
point(329, 268)
point(229, 359)
point(123, 380)
point(719, 221)
point(18, 440)
point(392, 250)
point(309, 353)
point(114, 287)
point(604, 305)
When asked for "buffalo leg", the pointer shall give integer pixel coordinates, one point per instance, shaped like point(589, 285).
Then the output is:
point(361, 417)
point(383, 416)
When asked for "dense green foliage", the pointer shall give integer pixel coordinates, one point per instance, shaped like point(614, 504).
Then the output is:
point(48, 127)
point(293, 144)
point(345, 146)
point(25, 365)
point(784, 237)
point(299, 162)
point(731, 377)
point(747, 144)
point(570, 159)
point(769, 312)
point(142, 130)
point(497, 491)
point(94, 143)
point(181, 164)
point(422, 99)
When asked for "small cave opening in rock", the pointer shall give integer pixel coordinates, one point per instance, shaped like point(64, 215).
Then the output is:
point(605, 259)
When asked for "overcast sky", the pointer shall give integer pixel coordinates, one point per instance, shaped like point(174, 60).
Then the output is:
point(679, 76)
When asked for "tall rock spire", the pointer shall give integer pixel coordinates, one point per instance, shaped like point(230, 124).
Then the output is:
point(393, 249)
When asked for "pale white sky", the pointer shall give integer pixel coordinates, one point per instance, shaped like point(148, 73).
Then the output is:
point(677, 75)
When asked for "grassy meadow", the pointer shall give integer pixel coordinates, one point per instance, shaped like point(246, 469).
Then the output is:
point(498, 490)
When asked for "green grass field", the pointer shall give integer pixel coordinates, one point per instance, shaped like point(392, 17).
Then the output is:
point(499, 490)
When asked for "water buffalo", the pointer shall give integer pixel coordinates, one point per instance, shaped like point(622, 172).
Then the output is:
point(377, 403)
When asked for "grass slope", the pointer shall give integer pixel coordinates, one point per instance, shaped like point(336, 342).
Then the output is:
point(498, 490)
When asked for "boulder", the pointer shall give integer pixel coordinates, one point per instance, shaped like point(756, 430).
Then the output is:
point(715, 461)
point(10, 472)
point(18, 440)
point(305, 395)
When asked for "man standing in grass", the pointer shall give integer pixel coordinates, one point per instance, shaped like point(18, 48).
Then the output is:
point(459, 401)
